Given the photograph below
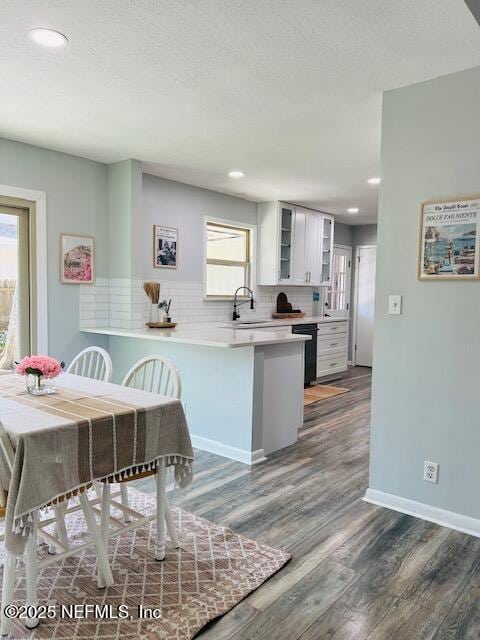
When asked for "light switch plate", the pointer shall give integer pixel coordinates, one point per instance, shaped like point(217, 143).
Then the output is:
point(394, 305)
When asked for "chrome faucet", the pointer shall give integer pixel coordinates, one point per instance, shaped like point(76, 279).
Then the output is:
point(236, 315)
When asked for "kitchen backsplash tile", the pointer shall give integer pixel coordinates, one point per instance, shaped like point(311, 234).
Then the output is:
point(121, 302)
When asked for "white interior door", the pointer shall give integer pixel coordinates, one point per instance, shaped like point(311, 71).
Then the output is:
point(339, 294)
point(364, 304)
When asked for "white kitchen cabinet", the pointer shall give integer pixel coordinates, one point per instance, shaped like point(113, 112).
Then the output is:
point(294, 245)
point(327, 249)
point(313, 248)
point(332, 348)
point(299, 246)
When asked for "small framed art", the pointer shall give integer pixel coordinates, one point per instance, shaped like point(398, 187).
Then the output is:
point(449, 240)
point(165, 247)
point(77, 259)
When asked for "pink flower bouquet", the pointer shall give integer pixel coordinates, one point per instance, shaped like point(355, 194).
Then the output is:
point(40, 366)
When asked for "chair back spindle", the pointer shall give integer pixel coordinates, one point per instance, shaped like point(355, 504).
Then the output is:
point(94, 363)
point(156, 374)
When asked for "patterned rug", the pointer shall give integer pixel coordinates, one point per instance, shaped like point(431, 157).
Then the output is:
point(321, 392)
point(213, 570)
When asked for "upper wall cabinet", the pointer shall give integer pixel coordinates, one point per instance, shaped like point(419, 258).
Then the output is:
point(294, 245)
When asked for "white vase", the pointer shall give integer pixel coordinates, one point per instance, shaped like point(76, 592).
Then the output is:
point(154, 315)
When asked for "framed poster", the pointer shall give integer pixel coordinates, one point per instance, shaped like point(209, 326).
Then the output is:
point(165, 241)
point(449, 240)
point(77, 259)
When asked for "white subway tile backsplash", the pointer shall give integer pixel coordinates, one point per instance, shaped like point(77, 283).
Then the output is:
point(122, 302)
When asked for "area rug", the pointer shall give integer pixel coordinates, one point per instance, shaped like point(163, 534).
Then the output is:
point(321, 392)
point(213, 570)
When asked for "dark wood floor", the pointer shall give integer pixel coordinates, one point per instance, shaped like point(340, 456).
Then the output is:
point(357, 571)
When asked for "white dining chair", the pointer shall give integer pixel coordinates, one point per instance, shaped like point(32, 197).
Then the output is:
point(157, 375)
point(94, 363)
point(58, 540)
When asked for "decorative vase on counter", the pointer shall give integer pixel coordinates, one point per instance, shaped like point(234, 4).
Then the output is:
point(154, 313)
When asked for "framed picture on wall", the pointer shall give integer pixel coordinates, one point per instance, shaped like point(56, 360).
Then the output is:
point(77, 259)
point(165, 247)
point(449, 240)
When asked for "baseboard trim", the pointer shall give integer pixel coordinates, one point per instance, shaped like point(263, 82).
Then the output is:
point(445, 518)
point(225, 450)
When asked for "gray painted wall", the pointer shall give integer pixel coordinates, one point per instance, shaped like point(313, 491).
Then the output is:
point(180, 205)
point(364, 234)
point(76, 203)
point(343, 234)
point(124, 205)
point(426, 361)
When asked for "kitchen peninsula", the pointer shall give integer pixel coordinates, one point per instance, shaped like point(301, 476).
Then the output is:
point(242, 389)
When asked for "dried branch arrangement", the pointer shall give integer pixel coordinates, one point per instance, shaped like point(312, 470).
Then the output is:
point(152, 289)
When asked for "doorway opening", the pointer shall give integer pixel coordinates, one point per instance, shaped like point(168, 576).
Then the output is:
point(364, 305)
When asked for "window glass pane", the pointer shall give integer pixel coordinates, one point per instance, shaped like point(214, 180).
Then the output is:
point(8, 281)
point(223, 280)
point(227, 243)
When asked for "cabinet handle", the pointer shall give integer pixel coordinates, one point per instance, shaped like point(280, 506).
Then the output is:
point(333, 328)
point(333, 344)
point(333, 364)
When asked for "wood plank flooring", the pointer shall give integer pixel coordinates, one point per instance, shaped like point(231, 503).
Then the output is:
point(357, 571)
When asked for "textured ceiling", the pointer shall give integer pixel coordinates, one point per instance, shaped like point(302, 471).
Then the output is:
point(289, 91)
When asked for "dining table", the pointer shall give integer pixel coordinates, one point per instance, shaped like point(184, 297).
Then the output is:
point(85, 432)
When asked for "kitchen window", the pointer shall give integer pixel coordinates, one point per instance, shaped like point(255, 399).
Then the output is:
point(228, 259)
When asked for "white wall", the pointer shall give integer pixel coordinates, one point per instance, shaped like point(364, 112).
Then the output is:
point(426, 361)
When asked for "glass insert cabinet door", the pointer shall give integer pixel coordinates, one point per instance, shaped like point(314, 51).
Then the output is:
point(286, 239)
point(15, 311)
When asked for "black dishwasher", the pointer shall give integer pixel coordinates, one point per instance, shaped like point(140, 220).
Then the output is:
point(310, 350)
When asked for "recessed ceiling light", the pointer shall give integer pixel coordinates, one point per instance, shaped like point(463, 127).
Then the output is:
point(353, 210)
point(374, 180)
point(236, 174)
point(48, 37)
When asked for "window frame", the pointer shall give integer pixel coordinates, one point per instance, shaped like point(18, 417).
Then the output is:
point(249, 264)
point(24, 286)
point(36, 203)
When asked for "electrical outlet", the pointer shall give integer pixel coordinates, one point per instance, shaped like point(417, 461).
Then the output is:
point(430, 472)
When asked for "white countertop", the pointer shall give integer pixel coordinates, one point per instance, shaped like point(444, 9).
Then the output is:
point(206, 335)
